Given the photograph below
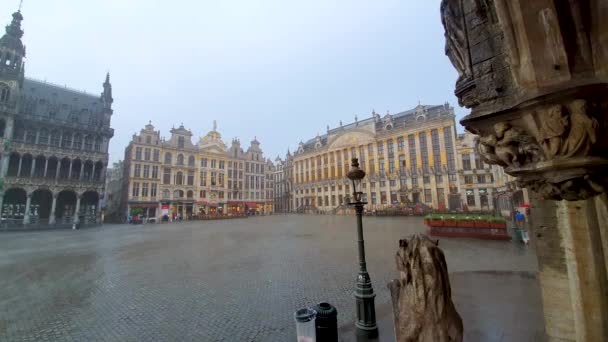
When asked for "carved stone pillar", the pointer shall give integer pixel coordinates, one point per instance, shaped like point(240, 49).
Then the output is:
point(46, 166)
point(8, 134)
point(57, 170)
point(19, 167)
point(33, 167)
point(76, 219)
point(53, 208)
point(70, 169)
point(26, 215)
point(81, 176)
point(535, 76)
point(1, 203)
point(98, 212)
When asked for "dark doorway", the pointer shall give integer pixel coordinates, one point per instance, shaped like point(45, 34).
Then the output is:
point(41, 205)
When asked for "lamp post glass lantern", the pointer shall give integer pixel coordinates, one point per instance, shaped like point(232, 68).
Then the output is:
point(364, 292)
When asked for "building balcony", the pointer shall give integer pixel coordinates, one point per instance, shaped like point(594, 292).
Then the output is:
point(48, 182)
point(57, 151)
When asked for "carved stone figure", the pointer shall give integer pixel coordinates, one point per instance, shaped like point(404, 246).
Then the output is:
point(552, 129)
point(422, 301)
point(583, 131)
point(509, 146)
point(456, 45)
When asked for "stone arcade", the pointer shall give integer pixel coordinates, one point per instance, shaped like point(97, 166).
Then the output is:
point(54, 144)
point(535, 76)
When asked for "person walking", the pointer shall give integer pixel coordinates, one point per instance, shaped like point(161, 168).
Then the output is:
point(521, 220)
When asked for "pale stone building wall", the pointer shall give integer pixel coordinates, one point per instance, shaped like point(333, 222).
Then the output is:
point(409, 157)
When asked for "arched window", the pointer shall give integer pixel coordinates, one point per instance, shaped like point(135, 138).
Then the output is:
point(66, 140)
point(98, 144)
point(148, 139)
point(78, 141)
point(180, 159)
point(55, 138)
point(165, 193)
point(5, 92)
point(43, 137)
point(168, 158)
point(191, 161)
point(179, 178)
point(18, 133)
point(190, 194)
point(30, 136)
point(180, 142)
point(88, 143)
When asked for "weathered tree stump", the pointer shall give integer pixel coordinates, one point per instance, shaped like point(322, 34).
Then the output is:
point(422, 300)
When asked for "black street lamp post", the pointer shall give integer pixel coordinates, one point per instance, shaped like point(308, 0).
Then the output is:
point(364, 293)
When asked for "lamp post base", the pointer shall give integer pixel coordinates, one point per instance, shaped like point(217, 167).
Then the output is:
point(366, 310)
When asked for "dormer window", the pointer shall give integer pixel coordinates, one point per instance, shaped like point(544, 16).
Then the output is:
point(148, 139)
point(180, 142)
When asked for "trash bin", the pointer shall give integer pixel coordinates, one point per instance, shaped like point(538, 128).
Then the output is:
point(326, 323)
point(305, 325)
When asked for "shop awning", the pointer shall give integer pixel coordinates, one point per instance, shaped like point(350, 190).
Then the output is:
point(235, 203)
point(252, 205)
point(202, 203)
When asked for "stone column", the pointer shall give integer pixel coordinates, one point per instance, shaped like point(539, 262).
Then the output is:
point(53, 208)
point(58, 169)
point(93, 172)
point(1, 203)
point(33, 167)
point(8, 135)
point(19, 168)
point(28, 202)
point(81, 171)
point(76, 219)
point(70, 169)
point(98, 213)
point(46, 166)
point(534, 75)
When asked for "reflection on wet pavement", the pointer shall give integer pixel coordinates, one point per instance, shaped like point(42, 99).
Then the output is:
point(234, 280)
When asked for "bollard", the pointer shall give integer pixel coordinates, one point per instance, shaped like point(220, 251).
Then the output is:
point(305, 325)
point(326, 324)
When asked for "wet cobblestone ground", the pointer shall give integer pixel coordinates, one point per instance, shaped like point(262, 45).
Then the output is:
point(231, 280)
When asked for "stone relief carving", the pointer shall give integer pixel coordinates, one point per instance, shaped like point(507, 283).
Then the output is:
point(508, 147)
point(565, 131)
point(552, 129)
point(456, 44)
point(422, 300)
point(583, 131)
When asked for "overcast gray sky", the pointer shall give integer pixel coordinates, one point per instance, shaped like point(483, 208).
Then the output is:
point(280, 70)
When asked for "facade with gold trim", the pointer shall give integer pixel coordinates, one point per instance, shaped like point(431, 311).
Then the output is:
point(409, 157)
point(173, 178)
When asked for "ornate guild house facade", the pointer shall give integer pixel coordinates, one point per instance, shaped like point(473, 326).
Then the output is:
point(54, 144)
point(408, 157)
point(176, 177)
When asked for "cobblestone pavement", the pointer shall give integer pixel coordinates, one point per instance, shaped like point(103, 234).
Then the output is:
point(230, 280)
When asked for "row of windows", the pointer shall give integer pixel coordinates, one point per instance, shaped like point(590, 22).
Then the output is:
point(483, 198)
point(135, 191)
point(393, 183)
point(481, 179)
point(385, 197)
point(66, 139)
point(323, 171)
point(466, 162)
